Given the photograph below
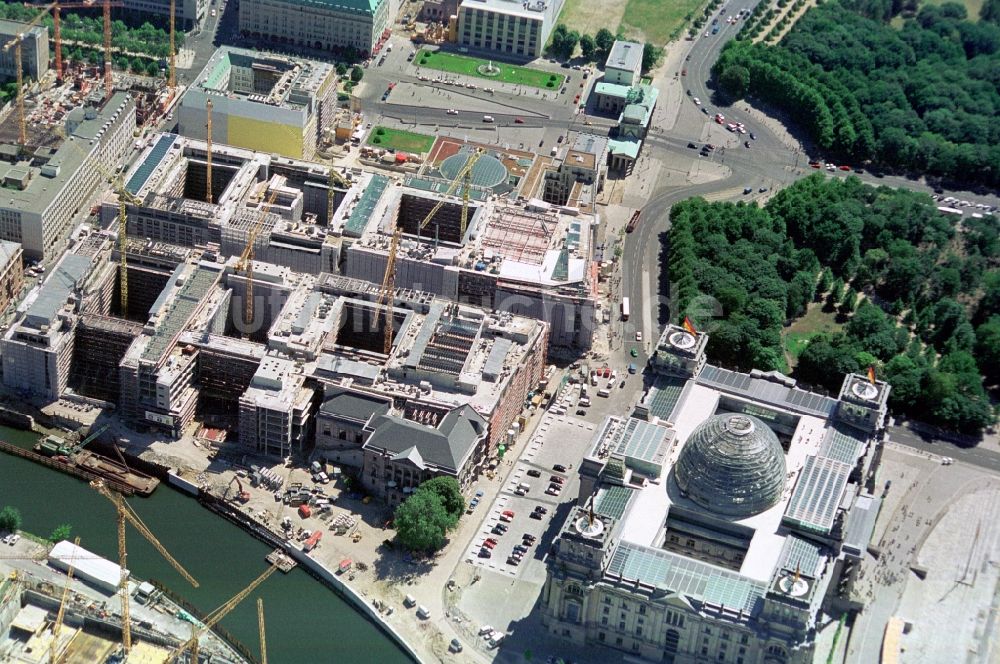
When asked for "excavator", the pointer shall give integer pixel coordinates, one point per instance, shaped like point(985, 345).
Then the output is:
point(243, 495)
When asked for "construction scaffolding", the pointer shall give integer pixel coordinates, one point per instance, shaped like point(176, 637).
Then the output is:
point(519, 235)
point(101, 342)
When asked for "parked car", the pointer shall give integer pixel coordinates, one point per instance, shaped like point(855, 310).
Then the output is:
point(557, 479)
point(490, 542)
point(455, 646)
point(534, 472)
point(536, 515)
point(485, 553)
point(511, 560)
point(559, 468)
point(552, 492)
point(541, 509)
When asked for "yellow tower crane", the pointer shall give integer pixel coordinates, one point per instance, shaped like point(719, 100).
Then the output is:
point(126, 513)
point(172, 76)
point(336, 180)
point(389, 279)
point(22, 128)
point(213, 618)
point(260, 627)
point(125, 198)
point(57, 625)
point(208, 151)
point(245, 263)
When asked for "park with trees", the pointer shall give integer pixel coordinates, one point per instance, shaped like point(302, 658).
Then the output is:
point(920, 98)
point(911, 294)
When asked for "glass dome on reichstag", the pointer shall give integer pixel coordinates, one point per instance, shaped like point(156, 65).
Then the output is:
point(732, 464)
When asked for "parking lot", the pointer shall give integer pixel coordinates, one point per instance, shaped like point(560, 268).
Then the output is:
point(558, 440)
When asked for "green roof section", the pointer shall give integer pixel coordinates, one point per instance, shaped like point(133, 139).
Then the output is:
point(612, 89)
point(628, 147)
point(639, 104)
point(362, 212)
point(560, 272)
point(612, 500)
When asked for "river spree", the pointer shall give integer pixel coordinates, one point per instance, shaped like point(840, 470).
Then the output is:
point(306, 622)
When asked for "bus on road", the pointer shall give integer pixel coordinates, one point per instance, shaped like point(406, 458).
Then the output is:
point(625, 308)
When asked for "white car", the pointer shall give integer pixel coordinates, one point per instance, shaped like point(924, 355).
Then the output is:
point(13, 539)
point(831, 167)
point(452, 111)
point(638, 336)
point(697, 102)
point(485, 630)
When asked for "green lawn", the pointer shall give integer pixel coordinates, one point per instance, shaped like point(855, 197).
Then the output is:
point(461, 64)
point(814, 322)
point(398, 139)
point(656, 20)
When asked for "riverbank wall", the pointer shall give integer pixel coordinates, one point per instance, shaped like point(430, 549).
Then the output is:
point(314, 568)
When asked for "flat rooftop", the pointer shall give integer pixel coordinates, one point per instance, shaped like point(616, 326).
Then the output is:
point(269, 78)
point(625, 55)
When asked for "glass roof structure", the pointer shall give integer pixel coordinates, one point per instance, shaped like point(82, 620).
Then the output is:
point(769, 392)
point(149, 165)
point(817, 494)
point(487, 172)
point(733, 465)
point(687, 576)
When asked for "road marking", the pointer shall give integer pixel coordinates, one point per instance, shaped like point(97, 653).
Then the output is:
point(724, 194)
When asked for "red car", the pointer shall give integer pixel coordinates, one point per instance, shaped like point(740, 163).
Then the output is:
point(507, 513)
point(490, 543)
point(814, 164)
point(518, 120)
point(844, 168)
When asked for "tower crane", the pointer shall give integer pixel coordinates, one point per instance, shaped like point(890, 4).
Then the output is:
point(389, 279)
point(211, 619)
point(208, 150)
point(126, 513)
point(335, 180)
point(22, 129)
point(260, 627)
point(172, 75)
point(125, 198)
point(245, 263)
point(57, 8)
point(57, 625)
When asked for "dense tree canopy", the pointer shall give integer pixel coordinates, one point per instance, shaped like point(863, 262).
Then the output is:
point(924, 98)
point(910, 290)
point(10, 518)
point(422, 521)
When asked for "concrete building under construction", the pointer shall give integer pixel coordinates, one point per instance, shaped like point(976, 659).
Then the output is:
point(525, 257)
point(287, 201)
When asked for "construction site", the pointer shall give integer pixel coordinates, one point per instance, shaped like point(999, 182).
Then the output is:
point(79, 608)
point(493, 243)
